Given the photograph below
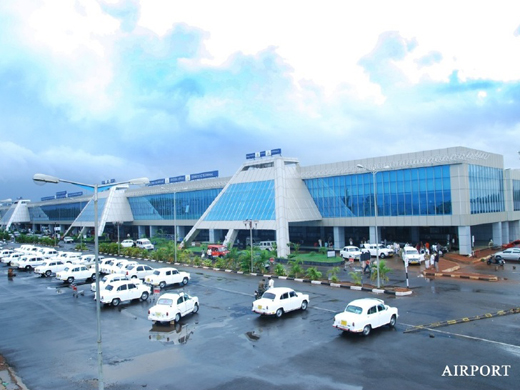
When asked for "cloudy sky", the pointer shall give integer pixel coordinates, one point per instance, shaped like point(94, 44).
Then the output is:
point(92, 90)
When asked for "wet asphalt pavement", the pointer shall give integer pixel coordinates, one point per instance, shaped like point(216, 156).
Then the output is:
point(49, 338)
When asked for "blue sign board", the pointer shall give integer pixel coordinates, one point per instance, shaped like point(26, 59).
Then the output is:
point(177, 179)
point(108, 181)
point(48, 198)
point(203, 175)
point(73, 194)
point(264, 153)
point(157, 182)
point(61, 194)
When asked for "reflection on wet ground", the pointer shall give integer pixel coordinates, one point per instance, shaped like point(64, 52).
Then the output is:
point(177, 333)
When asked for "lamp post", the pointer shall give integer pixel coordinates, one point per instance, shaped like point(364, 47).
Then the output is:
point(41, 179)
point(249, 224)
point(374, 173)
point(118, 240)
point(175, 225)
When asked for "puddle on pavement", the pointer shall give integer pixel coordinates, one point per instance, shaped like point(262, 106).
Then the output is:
point(177, 333)
point(253, 336)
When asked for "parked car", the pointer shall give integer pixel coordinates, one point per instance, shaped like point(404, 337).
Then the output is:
point(12, 257)
point(164, 276)
point(50, 267)
point(412, 255)
point(30, 262)
point(363, 315)
point(73, 273)
point(68, 240)
point(509, 254)
point(379, 248)
point(119, 266)
point(106, 280)
point(144, 243)
point(6, 253)
point(68, 257)
point(139, 271)
point(350, 252)
point(105, 264)
point(218, 250)
point(171, 307)
point(280, 300)
point(128, 243)
point(124, 290)
point(48, 253)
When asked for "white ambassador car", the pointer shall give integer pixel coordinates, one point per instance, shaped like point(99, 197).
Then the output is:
point(50, 267)
point(279, 300)
point(106, 280)
point(128, 243)
point(171, 307)
point(124, 290)
point(363, 315)
point(74, 273)
point(164, 276)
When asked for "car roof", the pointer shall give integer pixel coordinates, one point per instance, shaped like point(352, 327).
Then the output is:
point(280, 290)
point(170, 295)
point(366, 302)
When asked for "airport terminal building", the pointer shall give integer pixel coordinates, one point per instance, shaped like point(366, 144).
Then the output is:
point(457, 196)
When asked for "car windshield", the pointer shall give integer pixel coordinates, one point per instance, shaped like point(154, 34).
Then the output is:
point(156, 272)
point(130, 267)
point(109, 287)
point(353, 309)
point(268, 295)
point(165, 301)
point(66, 269)
point(412, 251)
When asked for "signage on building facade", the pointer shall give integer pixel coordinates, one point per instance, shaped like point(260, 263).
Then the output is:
point(157, 182)
point(203, 175)
point(177, 179)
point(264, 153)
point(73, 194)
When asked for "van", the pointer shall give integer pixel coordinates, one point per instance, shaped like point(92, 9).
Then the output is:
point(144, 243)
point(267, 245)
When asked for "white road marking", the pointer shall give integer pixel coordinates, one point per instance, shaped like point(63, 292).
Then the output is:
point(466, 336)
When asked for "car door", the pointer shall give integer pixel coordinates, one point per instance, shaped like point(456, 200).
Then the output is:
point(133, 291)
point(122, 292)
point(372, 316)
point(294, 301)
point(383, 315)
point(181, 304)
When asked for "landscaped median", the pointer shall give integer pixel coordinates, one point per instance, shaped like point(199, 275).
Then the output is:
point(397, 291)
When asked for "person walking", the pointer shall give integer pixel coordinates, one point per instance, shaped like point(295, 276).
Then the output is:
point(270, 284)
point(432, 260)
point(436, 262)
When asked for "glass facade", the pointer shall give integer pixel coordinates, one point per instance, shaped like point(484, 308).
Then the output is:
point(486, 189)
point(254, 200)
point(405, 192)
point(189, 205)
point(67, 212)
point(516, 195)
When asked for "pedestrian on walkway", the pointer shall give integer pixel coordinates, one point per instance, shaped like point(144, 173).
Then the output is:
point(426, 260)
point(436, 262)
point(432, 260)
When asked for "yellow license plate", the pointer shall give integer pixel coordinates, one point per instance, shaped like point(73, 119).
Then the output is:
point(158, 314)
point(259, 307)
point(343, 323)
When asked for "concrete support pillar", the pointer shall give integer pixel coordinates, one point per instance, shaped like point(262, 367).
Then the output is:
point(465, 240)
point(497, 233)
point(339, 237)
point(153, 231)
point(372, 234)
point(514, 231)
point(212, 236)
point(141, 231)
point(505, 233)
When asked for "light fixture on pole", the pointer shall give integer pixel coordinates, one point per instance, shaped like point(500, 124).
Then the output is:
point(249, 224)
point(374, 173)
point(118, 224)
point(41, 179)
point(175, 221)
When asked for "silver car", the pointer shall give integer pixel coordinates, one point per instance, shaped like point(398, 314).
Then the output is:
point(509, 254)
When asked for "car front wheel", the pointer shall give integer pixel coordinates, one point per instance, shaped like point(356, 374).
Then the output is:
point(382, 256)
point(195, 308)
point(144, 296)
point(279, 312)
point(185, 281)
point(304, 305)
point(366, 330)
point(70, 280)
point(392, 322)
point(116, 302)
point(162, 285)
point(48, 273)
point(177, 317)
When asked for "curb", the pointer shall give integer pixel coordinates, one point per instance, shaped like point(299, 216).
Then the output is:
point(461, 276)
point(316, 282)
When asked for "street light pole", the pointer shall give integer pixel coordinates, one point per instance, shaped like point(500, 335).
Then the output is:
point(41, 179)
point(249, 223)
point(175, 224)
point(374, 179)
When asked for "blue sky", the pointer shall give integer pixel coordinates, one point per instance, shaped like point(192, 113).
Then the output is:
point(93, 90)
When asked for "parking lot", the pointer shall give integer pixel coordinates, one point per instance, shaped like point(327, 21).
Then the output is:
point(49, 338)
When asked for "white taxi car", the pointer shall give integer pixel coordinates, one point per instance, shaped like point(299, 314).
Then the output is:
point(124, 290)
point(73, 273)
point(280, 300)
point(128, 243)
point(363, 315)
point(106, 280)
point(412, 255)
point(164, 276)
point(138, 271)
point(50, 267)
point(171, 307)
